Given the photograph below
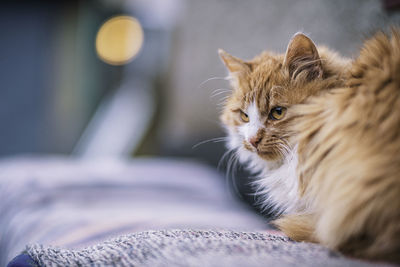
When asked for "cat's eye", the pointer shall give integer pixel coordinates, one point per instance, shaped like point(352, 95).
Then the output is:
point(277, 113)
point(244, 116)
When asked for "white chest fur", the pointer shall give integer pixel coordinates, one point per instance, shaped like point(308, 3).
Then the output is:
point(278, 187)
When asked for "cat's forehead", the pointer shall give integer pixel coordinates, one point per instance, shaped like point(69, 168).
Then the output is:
point(264, 83)
point(267, 70)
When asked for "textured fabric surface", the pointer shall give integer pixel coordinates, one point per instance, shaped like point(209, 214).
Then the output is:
point(23, 260)
point(194, 248)
point(65, 206)
point(74, 203)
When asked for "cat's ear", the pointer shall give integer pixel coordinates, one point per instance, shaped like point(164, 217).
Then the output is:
point(302, 57)
point(233, 64)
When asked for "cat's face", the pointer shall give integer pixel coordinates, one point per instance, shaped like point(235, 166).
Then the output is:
point(256, 113)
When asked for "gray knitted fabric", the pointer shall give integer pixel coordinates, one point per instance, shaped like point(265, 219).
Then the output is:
point(194, 248)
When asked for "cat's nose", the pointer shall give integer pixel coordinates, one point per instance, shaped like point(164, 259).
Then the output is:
point(254, 141)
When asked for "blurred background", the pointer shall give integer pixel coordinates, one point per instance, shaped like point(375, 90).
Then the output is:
point(129, 78)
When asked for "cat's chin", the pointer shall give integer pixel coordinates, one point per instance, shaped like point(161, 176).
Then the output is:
point(264, 154)
point(254, 162)
point(267, 155)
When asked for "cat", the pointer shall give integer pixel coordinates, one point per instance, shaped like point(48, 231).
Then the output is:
point(323, 135)
point(254, 114)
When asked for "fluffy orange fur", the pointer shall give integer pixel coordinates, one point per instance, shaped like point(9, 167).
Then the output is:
point(344, 120)
point(349, 158)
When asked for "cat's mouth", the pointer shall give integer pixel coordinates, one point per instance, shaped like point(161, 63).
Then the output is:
point(259, 152)
point(255, 150)
point(269, 154)
point(266, 154)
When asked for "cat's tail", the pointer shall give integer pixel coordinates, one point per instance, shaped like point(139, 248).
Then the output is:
point(299, 227)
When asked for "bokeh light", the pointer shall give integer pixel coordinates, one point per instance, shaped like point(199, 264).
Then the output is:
point(119, 40)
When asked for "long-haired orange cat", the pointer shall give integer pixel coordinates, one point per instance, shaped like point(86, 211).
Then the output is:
point(323, 135)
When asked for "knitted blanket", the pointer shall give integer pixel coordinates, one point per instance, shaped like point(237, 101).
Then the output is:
point(71, 206)
point(194, 248)
point(75, 203)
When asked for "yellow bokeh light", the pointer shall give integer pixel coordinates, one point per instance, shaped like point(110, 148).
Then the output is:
point(119, 40)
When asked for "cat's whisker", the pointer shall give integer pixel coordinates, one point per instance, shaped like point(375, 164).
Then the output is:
point(222, 104)
point(224, 99)
point(231, 172)
point(214, 140)
point(220, 91)
point(228, 169)
point(284, 150)
point(217, 94)
point(223, 158)
point(211, 79)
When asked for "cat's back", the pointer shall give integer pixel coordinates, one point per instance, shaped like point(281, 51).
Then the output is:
point(349, 154)
point(365, 116)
